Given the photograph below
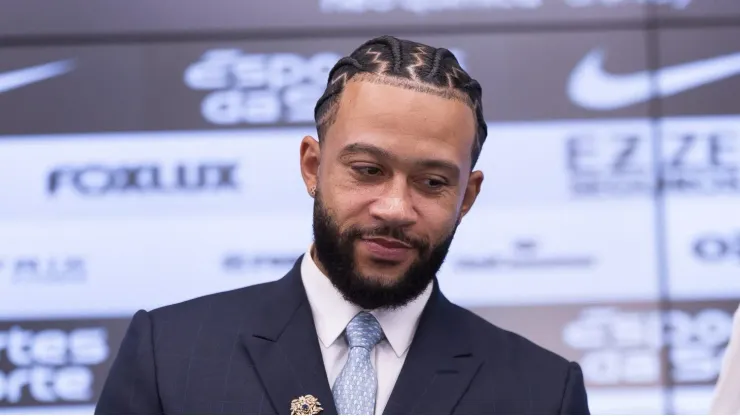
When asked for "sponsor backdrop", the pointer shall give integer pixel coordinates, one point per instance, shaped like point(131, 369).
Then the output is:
point(149, 154)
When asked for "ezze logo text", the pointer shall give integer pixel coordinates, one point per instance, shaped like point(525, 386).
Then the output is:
point(622, 162)
point(253, 88)
point(702, 161)
point(616, 163)
point(45, 363)
point(102, 180)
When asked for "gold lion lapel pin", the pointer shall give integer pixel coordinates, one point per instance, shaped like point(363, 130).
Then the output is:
point(305, 405)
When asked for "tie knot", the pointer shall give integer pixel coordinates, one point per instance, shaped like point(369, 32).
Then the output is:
point(364, 331)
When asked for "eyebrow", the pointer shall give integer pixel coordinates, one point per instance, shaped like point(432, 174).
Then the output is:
point(363, 148)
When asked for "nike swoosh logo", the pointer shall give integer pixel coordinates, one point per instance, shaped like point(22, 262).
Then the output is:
point(26, 76)
point(591, 87)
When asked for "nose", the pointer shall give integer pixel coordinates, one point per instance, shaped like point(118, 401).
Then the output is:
point(395, 206)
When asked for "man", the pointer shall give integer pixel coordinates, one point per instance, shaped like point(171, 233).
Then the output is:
point(359, 325)
point(726, 399)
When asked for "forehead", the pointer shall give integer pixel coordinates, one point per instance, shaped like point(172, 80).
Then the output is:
point(399, 117)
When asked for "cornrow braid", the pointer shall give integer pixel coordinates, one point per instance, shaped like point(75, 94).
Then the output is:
point(406, 64)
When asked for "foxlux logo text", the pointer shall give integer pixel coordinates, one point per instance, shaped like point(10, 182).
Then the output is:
point(100, 180)
point(259, 88)
point(51, 365)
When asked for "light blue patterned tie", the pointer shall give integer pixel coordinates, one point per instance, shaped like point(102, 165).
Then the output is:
point(355, 388)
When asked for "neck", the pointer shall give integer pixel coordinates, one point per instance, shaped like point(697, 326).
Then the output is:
point(315, 258)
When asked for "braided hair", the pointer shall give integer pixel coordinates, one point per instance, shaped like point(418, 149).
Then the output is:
point(407, 64)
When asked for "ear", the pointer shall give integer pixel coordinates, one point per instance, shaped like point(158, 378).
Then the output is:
point(471, 192)
point(310, 159)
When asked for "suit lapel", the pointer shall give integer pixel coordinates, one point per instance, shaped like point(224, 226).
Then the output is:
point(440, 362)
point(285, 349)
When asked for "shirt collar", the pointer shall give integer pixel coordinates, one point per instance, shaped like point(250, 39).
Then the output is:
point(332, 313)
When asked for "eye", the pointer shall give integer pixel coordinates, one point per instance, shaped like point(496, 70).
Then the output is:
point(367, 170)
point(435, 183)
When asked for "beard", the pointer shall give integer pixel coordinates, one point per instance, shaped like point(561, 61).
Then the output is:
point(335, 250)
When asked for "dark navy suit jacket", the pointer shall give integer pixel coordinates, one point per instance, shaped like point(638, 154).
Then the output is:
point(254, 350)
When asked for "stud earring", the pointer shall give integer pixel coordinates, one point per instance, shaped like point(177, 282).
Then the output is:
point(312, 191)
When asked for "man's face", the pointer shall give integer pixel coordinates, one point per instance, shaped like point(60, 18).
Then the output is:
point(393, 180)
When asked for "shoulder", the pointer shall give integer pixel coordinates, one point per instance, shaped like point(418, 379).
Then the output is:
point(217, 313)
point(242, 298)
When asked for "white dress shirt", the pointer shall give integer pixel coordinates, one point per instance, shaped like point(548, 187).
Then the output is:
point(726, 399)
point(332, 313)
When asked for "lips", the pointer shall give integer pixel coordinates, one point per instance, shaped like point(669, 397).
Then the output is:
point(388, 242)
point(386, 249)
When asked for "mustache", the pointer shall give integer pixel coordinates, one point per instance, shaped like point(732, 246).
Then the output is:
point(356, 233)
